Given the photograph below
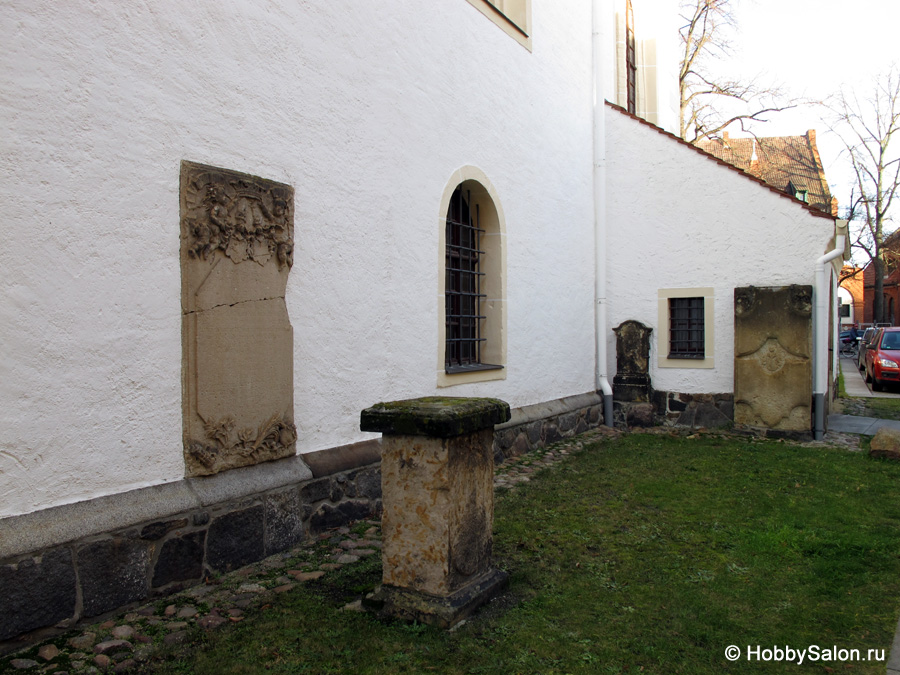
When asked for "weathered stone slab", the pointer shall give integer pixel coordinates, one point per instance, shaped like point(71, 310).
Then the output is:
point(284, 521)
point(772, 357)
point(441, 417)
point(236, 539)
point(236, 251)
point(180, 559)
point(113, 572)
point(632, 380)
point(36, 592)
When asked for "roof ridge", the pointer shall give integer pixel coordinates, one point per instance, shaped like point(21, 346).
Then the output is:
point(722, 162)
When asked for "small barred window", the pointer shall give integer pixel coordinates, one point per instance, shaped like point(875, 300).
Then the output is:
point(686, 328)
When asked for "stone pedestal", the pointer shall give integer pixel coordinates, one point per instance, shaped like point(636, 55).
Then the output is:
point(437, 473)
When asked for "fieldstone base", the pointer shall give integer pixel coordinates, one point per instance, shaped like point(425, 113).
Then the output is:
point(537, 426)
point(444, 612)
point(670, 408)
point(98, 574)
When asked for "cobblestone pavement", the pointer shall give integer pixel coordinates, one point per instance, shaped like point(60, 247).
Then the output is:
point(123, 644)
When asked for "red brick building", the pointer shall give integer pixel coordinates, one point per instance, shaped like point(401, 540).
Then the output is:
point(852, 282)
point(891, 252)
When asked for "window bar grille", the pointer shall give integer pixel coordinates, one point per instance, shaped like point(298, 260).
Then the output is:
point(686, 328)
point(463, 294)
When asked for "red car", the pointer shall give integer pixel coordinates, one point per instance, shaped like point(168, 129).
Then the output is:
point(883, 358)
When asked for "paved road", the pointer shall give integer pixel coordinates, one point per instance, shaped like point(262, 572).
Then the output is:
point(855, 385)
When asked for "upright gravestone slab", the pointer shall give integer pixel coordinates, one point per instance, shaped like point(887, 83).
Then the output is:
point(772, 357)
point(437, 474)
point(237, 238)
point(632, 380)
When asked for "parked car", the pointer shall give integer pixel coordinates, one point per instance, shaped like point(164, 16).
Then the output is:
point(864, 342)
point(883, 358)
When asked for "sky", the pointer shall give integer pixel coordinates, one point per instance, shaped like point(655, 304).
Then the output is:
point(813, 48)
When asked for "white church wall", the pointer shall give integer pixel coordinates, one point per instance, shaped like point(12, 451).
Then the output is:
point(679, 220)
point(367, 112)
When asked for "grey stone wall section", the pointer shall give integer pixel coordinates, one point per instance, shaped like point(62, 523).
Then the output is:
point(180, 560)
point(71, 522)
point(236, 539)
point(113, 573)
point(539, 425)
point(36, 592)
point(165, 554)
point(696, 411)
point(284, 521)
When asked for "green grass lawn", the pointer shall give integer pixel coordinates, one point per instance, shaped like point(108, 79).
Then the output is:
point(882, 408)
point(648, 554)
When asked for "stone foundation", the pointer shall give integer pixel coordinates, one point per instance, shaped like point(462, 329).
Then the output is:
point(105, 572)
point(537, 426)
point(670, 408)
point(88, 559)
point(709, 411)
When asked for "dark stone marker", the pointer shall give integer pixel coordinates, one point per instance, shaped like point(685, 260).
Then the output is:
point(181, 559)
point(35, 594)
point(236, 539)
point(113, 572)
point(632, 380)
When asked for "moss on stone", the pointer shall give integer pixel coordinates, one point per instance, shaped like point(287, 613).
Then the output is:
point(437, 416)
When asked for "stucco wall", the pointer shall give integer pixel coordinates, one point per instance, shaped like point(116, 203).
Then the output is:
point(366, 109)
point(677, 219)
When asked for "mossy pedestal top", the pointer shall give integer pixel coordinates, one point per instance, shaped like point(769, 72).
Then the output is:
point(435, 416)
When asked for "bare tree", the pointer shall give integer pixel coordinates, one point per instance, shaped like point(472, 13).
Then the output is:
point(867, 126)
point(705, 35)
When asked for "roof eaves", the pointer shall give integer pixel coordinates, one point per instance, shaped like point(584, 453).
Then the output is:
point(731, 167)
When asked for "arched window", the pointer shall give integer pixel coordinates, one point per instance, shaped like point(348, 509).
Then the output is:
point(462, 292)
point(473, 316)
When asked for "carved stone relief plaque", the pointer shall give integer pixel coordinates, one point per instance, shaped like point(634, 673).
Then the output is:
point(772, 357)
point(237, 239)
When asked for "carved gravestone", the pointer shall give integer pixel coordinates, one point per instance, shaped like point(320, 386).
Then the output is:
point(632, 380)
point(237, 238)
point(772, 357)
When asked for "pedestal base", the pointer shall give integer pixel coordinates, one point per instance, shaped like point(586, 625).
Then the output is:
point(445, 612)
point(633, 388)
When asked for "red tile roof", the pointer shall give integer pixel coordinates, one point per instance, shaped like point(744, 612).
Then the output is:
point(781, 161)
